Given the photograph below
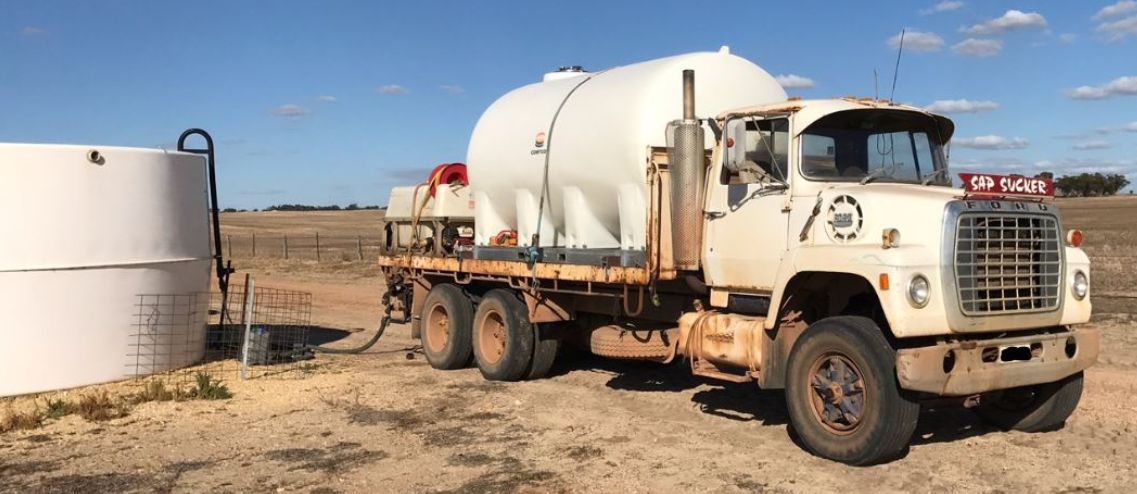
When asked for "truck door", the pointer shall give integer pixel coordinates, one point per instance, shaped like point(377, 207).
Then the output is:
point(745, 234)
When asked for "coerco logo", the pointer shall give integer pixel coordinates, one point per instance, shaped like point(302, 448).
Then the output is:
point(539, 143)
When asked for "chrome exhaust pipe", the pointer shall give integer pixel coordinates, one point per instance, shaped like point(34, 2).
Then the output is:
point(686, 164)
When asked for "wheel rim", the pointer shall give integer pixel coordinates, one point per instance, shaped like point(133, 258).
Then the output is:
point(491, 337)
point(437, 328)
point(837, 393)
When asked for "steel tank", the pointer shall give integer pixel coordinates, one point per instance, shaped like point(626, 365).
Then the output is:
point(87, 230)
point(593, 133)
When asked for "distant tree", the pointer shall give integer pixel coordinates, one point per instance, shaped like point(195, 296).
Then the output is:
point(351, 207)
point(1046, 175)
point(229, 210)
point(1090, 184)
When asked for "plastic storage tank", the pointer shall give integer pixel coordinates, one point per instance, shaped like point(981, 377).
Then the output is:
point(86, 230)
point(598, 148)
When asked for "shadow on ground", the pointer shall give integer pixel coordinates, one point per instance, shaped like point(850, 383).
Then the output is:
point(747, 402)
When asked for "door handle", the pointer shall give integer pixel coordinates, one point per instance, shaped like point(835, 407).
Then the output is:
point(714, 215)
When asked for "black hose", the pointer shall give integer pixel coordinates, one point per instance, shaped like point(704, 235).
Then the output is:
point(395, 287)
point(359, 349)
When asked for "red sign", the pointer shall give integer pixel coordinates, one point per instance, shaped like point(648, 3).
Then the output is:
point(1004, 185)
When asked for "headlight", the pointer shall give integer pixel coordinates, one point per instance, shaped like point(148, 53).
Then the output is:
point(919, 291)
point(1080, 285)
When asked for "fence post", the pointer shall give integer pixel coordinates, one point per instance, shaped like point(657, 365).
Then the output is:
point(317, 246)
point(254, 245)
point(229, 242)
point(286, 246)
point(359, 246)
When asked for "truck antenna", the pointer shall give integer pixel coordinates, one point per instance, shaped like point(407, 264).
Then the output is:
point(896, 71)
point(875, 85)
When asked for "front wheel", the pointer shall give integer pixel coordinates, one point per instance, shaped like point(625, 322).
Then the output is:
point(842, 395)
point(1037, 408)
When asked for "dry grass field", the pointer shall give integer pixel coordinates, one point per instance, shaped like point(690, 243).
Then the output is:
point(385, 422)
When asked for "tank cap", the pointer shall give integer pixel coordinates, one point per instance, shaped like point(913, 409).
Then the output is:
point(570, 68)
point(724, 49)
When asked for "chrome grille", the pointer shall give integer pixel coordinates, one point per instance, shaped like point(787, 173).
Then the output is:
point(1007, 263)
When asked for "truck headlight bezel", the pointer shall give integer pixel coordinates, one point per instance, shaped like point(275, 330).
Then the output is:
point(1079, 285)
point(919, 291)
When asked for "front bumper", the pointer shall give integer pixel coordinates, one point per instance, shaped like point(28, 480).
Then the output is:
point(925, 369)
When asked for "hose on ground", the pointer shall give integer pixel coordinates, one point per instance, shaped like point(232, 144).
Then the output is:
point(394, 289)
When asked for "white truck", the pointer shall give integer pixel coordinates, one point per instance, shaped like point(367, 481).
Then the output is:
point(815, 246)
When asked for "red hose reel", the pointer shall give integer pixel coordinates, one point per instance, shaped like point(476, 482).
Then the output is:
point(447, 173)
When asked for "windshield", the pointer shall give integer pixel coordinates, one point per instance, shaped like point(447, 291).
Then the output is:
point(877, 145)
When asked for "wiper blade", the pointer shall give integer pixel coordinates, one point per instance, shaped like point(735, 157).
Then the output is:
point(875, 174)
point(929, 178)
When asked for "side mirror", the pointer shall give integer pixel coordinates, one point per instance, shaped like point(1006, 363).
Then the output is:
point(735, 136)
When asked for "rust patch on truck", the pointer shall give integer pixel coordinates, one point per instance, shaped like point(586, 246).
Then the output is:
point(967, 368)
point(461, 268)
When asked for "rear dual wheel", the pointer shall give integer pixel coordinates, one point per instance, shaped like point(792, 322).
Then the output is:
point(507, 346)
point(445, 321)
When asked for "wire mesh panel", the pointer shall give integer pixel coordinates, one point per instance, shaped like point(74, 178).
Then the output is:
point(270, 340)
point(169, 333)
point(177, 338)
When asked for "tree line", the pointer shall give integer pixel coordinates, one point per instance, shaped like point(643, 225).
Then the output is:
point(1087, 184)
point(304, 207)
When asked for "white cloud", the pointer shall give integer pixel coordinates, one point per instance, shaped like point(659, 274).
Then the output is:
point(991, 142)
point(393, 89)
point(1091, 145)
point(1118, 9)
point(454, 89)
point(1068, 166)
point(1122, 86)
point(1010, 21)
point(31, 31)
point(1067, 38)
point(1118, 30)
point(917, 41)
point(328, 99)
point(1131, 127)
point(961, 106)
point(945, 6)
point(792, 81)
point(290, 111)
point(992, 165)
point(973, 47)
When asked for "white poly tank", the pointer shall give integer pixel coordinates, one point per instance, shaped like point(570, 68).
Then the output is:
point(599, 148)
point(82, 237)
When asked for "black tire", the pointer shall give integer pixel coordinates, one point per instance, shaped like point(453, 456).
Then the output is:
point(1039, 408)
point(837, 349)
point(445, 322)
point(546, 344)
point(503, 337)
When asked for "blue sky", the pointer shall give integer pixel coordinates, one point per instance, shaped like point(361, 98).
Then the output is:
point(335, 102)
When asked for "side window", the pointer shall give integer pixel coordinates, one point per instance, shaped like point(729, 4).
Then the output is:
point(757, 151)
point(819, 156)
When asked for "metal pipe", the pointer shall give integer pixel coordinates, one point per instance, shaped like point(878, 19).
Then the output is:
point(688, 94)
point(686, 165)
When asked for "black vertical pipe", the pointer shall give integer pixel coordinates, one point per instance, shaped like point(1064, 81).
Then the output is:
point(222, 274)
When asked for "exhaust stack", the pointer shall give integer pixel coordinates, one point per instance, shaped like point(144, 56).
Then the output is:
point(686, 155)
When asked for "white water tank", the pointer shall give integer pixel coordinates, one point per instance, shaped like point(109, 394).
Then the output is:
point(598, 149)
point(86, 230)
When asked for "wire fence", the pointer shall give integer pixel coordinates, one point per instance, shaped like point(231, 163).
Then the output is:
point(264, 335)
point(315, 247)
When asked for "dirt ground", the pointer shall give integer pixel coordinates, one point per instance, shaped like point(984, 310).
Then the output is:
point(385, 422)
